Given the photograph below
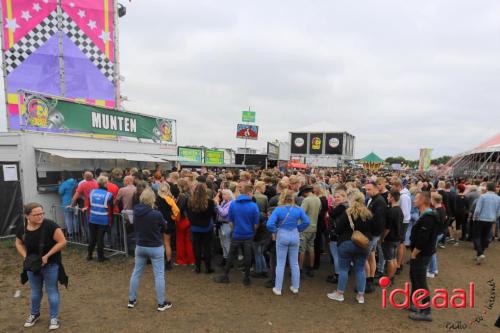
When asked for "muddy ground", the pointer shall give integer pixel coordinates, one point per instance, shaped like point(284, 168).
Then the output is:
point(97, 297)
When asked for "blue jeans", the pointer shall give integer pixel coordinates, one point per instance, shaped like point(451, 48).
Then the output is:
point(433, 265)
point(348, 252)
point(48, 276)
point(70, 221)
point(287, 242)
point(156, 255)
point(335, 255)
point(260, 261)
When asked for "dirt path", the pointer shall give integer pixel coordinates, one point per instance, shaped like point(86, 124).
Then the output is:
point(97, 297)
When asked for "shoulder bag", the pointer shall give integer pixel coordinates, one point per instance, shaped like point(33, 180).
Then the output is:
point(358, 237)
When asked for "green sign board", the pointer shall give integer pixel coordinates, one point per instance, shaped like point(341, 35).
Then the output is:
point(47, 114)
point(248, 116)
point(214, 157)
point(191, 154)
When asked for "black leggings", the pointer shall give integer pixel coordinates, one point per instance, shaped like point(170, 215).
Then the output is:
point(202, 246)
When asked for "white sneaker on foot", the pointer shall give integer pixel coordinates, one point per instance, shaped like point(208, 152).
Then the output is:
point(54, 324)
point(32, 319)
point(336, 296)
point(294, 291)
point(431, 275)
point(277, 292)
point(360, 299)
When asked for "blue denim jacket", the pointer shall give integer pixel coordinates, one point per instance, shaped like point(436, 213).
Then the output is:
point(487, 208)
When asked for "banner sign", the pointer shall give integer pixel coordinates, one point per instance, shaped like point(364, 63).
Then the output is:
point(244, 131)
point(273, 151)
point(299, 143)
point(191, 154)
point(214, 157)
point(316, 143)
point(248, 116)
point(59, 48)
point(425, 159)
point(47, 114)
point(334, 143)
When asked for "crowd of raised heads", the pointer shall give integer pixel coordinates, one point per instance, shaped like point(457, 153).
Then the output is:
point(369, 224)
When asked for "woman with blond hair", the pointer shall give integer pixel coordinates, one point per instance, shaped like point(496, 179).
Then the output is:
point(168, 208)
point(286, 222)
point(357, 217)
point(149, 226)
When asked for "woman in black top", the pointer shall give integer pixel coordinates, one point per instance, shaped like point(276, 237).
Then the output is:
point(339, 207)
point(349, 251)
point(201, 211)
point(39, 242)
point(321, 226)
point(461, 214)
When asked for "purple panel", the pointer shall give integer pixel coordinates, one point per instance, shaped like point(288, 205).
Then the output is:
point(81, 77)
point(39, 72)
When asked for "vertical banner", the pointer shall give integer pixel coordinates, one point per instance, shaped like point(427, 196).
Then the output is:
point(59, 48)
point(425, 159)
point(334, 143)
point(299, 143)
point(316, 143)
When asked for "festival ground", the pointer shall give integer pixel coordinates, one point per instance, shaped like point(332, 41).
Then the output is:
point(97, 297)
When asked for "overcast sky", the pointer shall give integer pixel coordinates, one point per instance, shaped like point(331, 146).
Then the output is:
point(399, 75)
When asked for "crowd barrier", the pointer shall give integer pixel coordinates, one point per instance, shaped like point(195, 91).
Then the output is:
point(118, 238)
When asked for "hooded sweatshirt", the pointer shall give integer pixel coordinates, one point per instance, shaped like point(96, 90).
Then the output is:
point(405, 204)
point(148, 226)
point(244, 214)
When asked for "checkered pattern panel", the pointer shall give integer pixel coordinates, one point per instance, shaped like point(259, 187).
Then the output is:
point(29, 43)
point(85, 44)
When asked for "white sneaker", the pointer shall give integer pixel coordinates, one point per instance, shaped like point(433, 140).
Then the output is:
point(32, 319)
point(294, 291)
point(336, 296)
point(431, 275)
point(360, 299)
point(277, 292)
point(54, 324)
point(480, 259)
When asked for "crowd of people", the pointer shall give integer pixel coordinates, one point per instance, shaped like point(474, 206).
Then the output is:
point(369, 224)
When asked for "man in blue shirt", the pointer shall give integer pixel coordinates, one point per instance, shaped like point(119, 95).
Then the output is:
point(485, 216)
point(244, 220)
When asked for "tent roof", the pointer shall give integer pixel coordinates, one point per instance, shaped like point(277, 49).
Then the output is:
point(493, 142)
point(372, 158)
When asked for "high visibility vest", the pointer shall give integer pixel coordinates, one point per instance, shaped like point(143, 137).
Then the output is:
point(99, 206)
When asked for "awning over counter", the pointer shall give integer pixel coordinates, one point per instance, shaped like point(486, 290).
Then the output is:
point(101, 155)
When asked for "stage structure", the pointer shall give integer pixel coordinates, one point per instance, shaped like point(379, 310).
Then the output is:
point(318, 147)
point(482, 161)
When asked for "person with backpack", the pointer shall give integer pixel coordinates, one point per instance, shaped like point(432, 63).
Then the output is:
point(168, 208)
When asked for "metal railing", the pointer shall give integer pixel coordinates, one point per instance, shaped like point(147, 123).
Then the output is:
point(118, 238)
